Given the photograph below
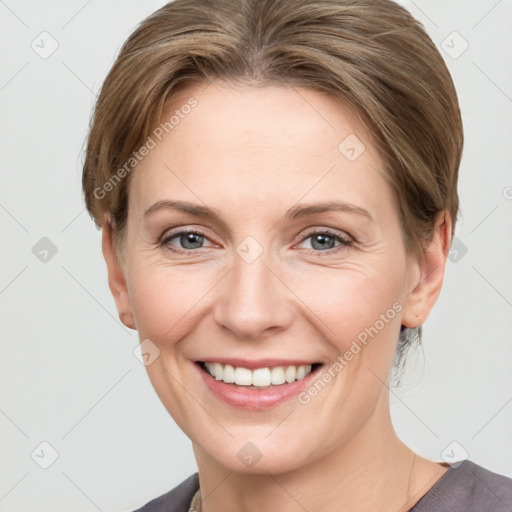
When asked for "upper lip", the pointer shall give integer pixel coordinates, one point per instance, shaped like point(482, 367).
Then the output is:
point(252, 364)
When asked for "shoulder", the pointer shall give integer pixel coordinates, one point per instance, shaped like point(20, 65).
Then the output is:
point(176, 500)
point(491, 488)
point(468, 487)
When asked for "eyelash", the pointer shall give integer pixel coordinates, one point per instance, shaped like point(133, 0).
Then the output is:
point(345, 242)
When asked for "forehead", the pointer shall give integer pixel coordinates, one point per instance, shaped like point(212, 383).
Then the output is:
point(241, 145)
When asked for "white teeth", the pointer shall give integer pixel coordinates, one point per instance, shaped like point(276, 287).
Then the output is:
point(218, 371)
point(229, 374)
point(278, 375)
point(290, 373)
point(261, 377)
point(243, 377)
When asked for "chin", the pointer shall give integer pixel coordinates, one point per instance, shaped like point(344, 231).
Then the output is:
point(259, 455)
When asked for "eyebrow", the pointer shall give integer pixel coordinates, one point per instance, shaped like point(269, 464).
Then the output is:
point(295, 212)
point(303, 210)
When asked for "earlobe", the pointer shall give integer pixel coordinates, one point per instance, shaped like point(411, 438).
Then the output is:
point(429, 274)
point(116, 278)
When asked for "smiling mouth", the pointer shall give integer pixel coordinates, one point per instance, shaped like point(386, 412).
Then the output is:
point(259, 378)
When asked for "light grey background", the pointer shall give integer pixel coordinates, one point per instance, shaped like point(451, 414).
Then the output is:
point(69, 376)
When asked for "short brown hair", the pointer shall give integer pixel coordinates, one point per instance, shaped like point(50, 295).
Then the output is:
point(371, 54)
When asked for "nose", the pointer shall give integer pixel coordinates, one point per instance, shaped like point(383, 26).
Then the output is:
point(254, 302)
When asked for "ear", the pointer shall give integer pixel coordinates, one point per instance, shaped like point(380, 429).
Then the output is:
point(116, 278)
point(428, 275)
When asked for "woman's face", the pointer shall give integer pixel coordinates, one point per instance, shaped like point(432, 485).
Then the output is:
point(262, 284)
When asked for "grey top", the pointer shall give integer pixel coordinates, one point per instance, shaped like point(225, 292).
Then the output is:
point(467, 487)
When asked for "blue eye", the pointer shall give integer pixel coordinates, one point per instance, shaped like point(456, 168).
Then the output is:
point(190, 240)
point(323, 241)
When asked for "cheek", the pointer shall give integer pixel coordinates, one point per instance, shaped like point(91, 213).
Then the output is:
point(166, 299)
point(350, 301)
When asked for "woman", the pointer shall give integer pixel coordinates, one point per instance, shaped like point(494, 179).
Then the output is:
point(276, 183)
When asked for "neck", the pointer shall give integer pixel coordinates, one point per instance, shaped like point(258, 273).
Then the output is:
point(373, 471)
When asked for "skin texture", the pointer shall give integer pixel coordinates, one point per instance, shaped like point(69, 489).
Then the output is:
point(252, 153)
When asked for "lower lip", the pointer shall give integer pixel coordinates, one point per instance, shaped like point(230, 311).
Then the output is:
point(253, 399)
